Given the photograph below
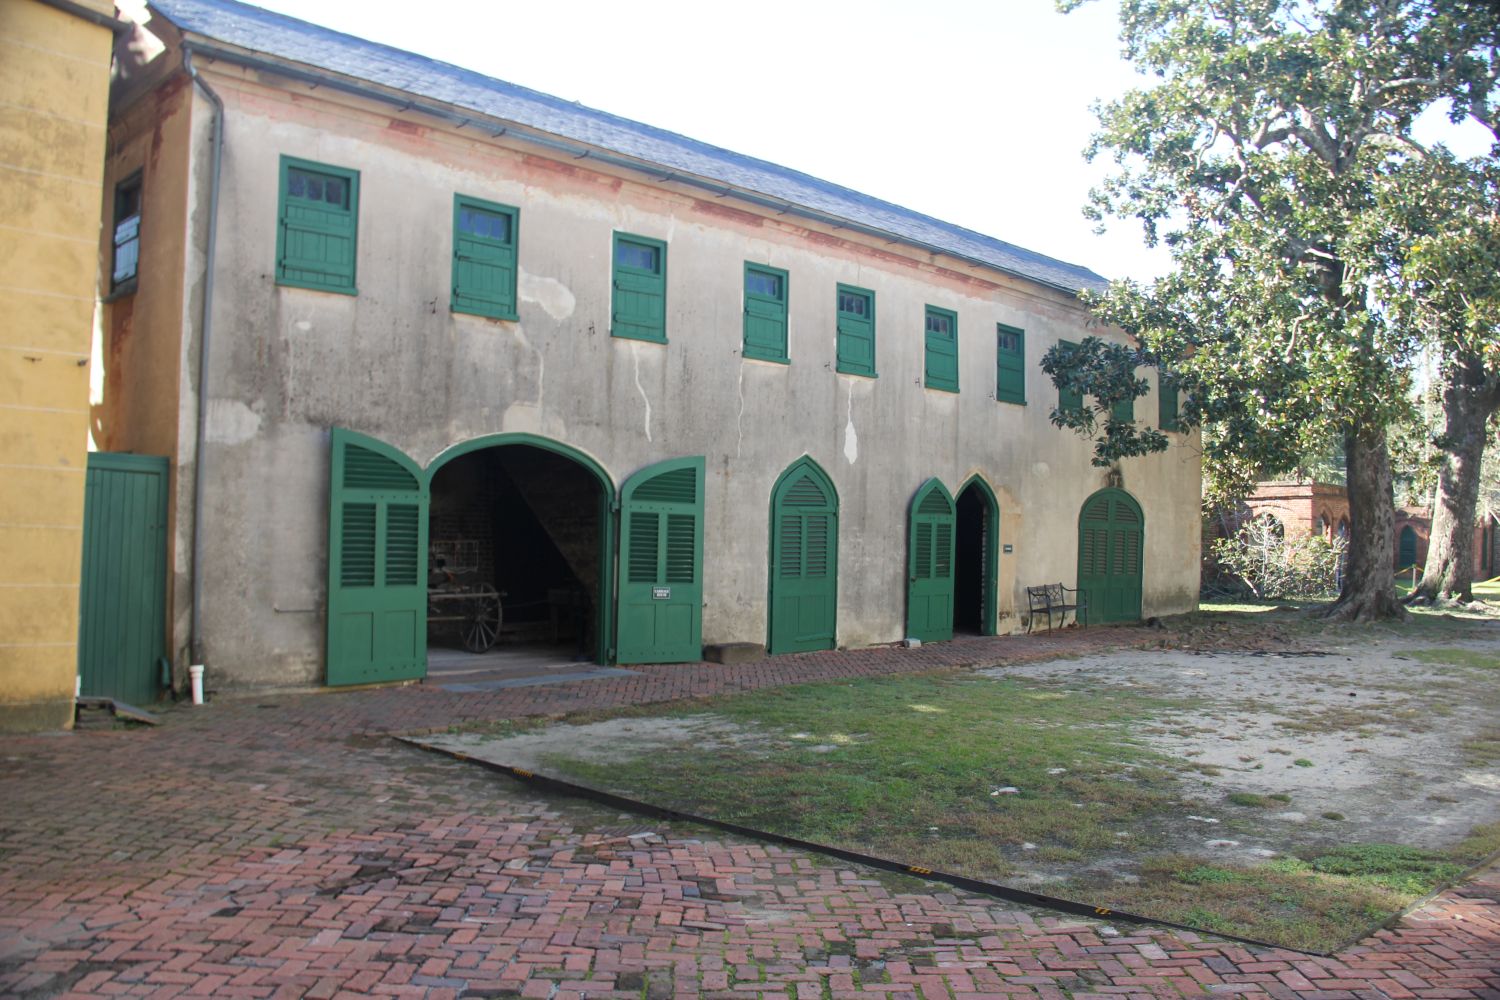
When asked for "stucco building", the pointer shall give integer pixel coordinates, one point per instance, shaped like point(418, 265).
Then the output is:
point(396, 320)
point(54, 73)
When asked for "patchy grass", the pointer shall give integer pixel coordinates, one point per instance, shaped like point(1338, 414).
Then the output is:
point(952, 772)
point(1455, 657)
point(991, 777)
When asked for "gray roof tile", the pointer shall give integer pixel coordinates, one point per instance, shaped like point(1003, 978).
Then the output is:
point(281, 37)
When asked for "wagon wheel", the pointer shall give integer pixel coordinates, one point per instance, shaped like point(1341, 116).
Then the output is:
point(482, 615)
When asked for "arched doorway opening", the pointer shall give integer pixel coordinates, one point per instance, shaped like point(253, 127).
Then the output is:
point(976, 558)
point(1111, 530)
point(528, 518)
point(1406, 556)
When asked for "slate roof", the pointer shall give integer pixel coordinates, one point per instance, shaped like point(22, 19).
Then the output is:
point(286, 38)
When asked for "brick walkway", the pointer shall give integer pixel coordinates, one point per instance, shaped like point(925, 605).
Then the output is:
point(282, 847)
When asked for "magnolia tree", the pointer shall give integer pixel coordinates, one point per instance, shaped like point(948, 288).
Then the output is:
point(1263, 154)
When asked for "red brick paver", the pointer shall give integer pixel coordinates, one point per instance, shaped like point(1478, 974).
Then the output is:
point(283, 847)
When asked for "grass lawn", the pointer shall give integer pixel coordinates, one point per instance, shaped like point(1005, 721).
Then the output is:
point(988, 776)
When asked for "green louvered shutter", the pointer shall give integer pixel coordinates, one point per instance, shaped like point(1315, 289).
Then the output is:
point(640, 288)
point(660, 616)
point(1010, 364)
point(1111, 532)
point(804, 560)
point(941, 349)
point(765, 312)
point(1067, 400)
point(377, 563)
point(1166, 402)
point(856, 330)
point(484, 258)
point(318, 226)
point(1123, 411)
point(929, 601)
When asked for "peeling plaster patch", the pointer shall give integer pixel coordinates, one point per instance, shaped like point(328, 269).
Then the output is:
point(1041, 470)
point(231, 422)
point(635, 352)
point(739, 421)
point(541, 364)
point(302, 326)
point(549, 293)
point(851, 437)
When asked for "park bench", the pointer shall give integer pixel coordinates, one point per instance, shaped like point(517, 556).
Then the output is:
point(1052, 599)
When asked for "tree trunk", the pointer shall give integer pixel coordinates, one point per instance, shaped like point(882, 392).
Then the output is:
point(1369, 590)
point(1449, 574)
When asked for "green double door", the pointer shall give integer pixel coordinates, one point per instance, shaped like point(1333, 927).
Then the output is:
point(804, 560)
point(930, 586)
point(1111, 532)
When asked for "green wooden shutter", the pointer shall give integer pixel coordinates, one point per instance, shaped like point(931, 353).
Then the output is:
point(377, 563)
point(640, 288)
point(1123, 411)
point(1111, 532)
point(122, 599)
point(929, 602)
point(660, 616)
point(941, 349)
point(1010, 364)
point(856, 330)
point(1067, 400)
point(318, 226)
point(1166, 402)
point(484, 258)
point(804, 560)
point(765, 312)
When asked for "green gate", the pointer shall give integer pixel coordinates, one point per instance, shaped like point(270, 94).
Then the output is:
point(660, 616)
point(929, 592)
point(377, 563)
point(122, 600)
point(804, 560)
point(1111, 530)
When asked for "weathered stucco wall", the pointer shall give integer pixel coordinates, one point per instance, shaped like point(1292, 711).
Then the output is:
point(395, 363)
point(54, 73)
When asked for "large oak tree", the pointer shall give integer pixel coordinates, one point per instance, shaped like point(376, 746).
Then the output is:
point(1259, 155)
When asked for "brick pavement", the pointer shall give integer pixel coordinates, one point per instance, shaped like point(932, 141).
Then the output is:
point(282, 846)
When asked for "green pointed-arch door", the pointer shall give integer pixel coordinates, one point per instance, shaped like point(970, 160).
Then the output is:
point(929, 589)
point(377, 563)
point(1111, 530)
point(1406, 555)
point(660, 616)
point(804, 560)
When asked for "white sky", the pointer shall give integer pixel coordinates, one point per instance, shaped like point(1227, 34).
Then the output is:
point(973, 111)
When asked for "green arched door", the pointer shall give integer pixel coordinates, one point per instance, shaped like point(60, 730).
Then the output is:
point(1111, 530)
point(804, 560)
point(661, 564)
point(377, 563)
point(929, 590)
point(1407, 556)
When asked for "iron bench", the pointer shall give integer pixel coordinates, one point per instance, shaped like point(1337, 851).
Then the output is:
point(1052, 598)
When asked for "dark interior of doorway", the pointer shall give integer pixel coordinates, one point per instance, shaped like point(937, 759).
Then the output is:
point(968, 569)
point(526, 522)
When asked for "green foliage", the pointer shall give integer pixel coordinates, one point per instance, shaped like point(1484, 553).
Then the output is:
point(1105, 373)
point(1272, 566)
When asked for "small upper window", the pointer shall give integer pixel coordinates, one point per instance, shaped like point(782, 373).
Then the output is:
point(640, 289)
point(855, 349)
point(1010, 364)
point(941, 364)
point(484, 258)
point(127, 239)
point(319, 225)
point(765, 313)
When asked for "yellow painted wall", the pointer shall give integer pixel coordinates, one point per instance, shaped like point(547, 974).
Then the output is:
point(54, 73)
